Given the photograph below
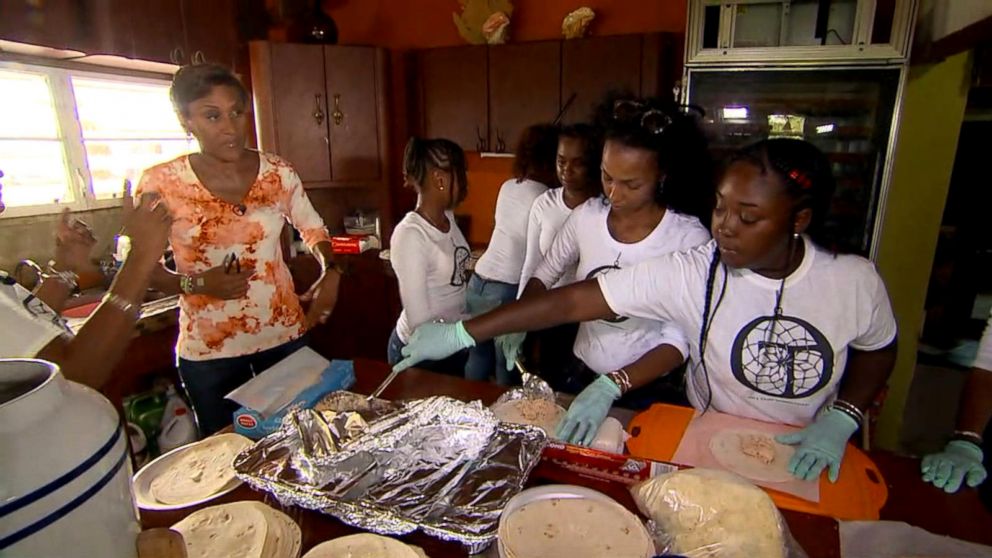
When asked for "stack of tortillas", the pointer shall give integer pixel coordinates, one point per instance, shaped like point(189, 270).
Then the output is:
point(542, 413)
point(240, 530)
point(199, 471)
point(364, 545)
point(573, 527)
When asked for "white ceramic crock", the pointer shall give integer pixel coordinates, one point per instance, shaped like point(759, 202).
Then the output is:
point(64, 470)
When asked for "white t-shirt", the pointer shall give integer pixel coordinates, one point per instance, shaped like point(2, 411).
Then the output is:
point(983, 359)
point(585, 244)
point(504, 258)
point(547, 215)
point(27, 323)
point(430, 268)
point(829, 304)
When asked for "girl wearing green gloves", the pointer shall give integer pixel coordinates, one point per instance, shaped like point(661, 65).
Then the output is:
point(961, 460)
point(780, 327)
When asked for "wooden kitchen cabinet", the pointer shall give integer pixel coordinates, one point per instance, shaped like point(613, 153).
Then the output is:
point(157, 31)
point(322, 108)
point(453, 95)
point(524, 89)
point(54, 23)
point(355, 112)
point(592, 67)
point(211, 33)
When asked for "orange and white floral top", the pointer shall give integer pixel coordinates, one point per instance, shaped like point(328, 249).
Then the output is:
point(207, 229)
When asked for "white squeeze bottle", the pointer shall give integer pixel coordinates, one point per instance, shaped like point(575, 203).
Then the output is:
point(177, 427)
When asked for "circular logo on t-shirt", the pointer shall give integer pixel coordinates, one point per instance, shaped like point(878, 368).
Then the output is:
point(603, 270)
point(783, 357)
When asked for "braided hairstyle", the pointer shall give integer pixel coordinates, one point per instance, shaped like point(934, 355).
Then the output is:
point(535, 152)
point(673, 133)
point(592, 153)
point(421, 155)
point(805, 172)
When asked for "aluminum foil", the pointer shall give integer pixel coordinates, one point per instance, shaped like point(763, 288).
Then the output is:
point(439, 465)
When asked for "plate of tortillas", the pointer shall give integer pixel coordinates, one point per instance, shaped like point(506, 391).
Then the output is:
point(572, 521)
point(364, 545)
point(190, 475)
point(240, 530)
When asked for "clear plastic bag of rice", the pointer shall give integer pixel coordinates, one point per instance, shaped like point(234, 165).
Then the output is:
point(703, 513)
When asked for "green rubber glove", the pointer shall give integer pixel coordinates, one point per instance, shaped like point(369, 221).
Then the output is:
point(587, 412)
point(434, 341)
point(510, 344)
point(821, 445)
point(960, 460)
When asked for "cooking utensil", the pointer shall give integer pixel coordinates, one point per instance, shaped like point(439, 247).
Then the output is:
point(382, 387)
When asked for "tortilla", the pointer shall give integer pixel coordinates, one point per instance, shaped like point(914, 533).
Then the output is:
point(284, 538)
point(235, 530)
point(200, 471)
point(752, 454)
point(362, 545)
point(542, 413)
point(576, 528)
point(704, 512)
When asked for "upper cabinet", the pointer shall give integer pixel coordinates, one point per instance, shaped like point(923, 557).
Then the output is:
point(323, 108)
point(524, 89)
point(453, 95)
point(169, 31)
point(484, 97)
point(591, 68)
point(799, 31)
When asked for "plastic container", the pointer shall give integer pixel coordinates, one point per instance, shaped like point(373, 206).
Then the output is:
point(178, 427)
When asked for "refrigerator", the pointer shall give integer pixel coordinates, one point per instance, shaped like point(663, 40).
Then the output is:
point(847, 112)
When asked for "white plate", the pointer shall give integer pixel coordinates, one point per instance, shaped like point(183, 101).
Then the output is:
point(547, 492)
point(142, 481)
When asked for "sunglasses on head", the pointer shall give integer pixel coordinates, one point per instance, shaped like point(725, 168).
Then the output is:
point(652, 120)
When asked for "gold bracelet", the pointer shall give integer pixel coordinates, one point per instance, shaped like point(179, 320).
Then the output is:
point(124, 306)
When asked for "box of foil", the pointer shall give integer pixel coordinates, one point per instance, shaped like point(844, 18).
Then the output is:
point(438, 465)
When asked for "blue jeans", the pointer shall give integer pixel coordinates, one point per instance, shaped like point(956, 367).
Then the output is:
point(453, 365)
point(206, 382)
point(482, 296)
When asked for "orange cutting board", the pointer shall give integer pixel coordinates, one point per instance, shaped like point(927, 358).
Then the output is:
point(858, 494)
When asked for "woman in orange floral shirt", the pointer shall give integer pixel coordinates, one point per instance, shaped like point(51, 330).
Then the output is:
point(238, 311)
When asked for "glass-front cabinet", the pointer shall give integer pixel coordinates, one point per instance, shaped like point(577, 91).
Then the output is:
point(846, 112)
point(799, 31)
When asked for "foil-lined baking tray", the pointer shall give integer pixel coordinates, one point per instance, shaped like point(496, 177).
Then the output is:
point(437, 464)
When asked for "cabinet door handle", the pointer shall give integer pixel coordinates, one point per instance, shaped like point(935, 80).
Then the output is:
point(318, 113)
point(481, 143)
point(180, 55)
point(500, 144)
point(198, 57)
point(337, 115)
point(174, 55)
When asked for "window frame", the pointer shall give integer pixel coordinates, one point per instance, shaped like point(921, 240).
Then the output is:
point(80, 180)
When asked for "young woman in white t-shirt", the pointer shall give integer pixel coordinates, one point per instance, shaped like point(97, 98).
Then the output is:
point(780, 327)
point(427, 251)
point(655, 170)
point(580, 148)
point(497, 273)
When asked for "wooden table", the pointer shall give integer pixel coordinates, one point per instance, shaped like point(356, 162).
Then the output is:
point(959, 515)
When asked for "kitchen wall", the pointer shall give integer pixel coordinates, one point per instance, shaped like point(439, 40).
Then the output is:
point(934, 102)
point(34, 237)
point(406, 26)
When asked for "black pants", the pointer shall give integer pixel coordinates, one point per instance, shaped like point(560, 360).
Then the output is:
point(670, 388)
point(206, 382)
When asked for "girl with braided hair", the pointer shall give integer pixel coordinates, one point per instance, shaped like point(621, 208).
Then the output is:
point(781, 327)
point(427, 250)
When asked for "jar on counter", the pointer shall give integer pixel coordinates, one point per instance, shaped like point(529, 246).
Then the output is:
point(66, 477)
